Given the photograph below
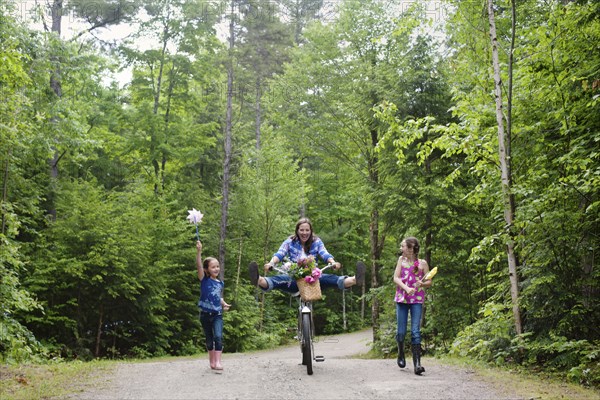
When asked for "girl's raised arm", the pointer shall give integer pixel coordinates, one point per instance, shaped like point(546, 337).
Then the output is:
point(199, 260)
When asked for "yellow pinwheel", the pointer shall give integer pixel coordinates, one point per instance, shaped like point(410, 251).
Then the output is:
point(430, 274)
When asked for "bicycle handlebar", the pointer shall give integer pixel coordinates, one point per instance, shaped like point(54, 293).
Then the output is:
point(283, 271)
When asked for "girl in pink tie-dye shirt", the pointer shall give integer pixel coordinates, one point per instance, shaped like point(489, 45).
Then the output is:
point(410, 295)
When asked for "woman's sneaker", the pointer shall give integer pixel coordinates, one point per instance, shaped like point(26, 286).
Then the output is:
point(253, 271)
point(361, 268)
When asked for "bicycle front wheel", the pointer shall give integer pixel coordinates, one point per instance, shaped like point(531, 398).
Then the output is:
point(307, 343)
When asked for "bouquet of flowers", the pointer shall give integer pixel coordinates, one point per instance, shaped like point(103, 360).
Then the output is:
point(305, 268)
point(306, 274)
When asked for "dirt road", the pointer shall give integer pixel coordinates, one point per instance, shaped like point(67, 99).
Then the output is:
point(277, 374)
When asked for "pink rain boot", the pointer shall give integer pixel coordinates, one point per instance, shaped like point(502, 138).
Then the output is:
point(218, 365)
point(211, 357)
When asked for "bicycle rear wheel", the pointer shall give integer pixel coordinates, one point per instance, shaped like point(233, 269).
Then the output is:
point(307, 343)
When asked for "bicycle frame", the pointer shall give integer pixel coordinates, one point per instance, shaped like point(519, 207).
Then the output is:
point(306, 330)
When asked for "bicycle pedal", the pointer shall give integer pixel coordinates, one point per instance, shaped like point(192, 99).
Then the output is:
point(319, 358)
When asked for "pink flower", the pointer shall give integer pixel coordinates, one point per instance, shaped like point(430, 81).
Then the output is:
point(316, 273)
point(309, 279)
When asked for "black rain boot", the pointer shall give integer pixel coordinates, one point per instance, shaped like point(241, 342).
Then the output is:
point(416, 350)
point(401, 357)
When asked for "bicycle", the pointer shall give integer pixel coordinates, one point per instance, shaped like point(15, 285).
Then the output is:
point(306, 331)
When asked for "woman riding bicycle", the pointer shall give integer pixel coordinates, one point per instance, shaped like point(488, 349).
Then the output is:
point(302, 244)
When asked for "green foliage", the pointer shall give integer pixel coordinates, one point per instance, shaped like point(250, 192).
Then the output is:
point(269, 194)
point(491, 339)
point(557, 354)
point(241, 321)
point(350, 128)
point(18, 201)
point(330, 319)
point(17, 343)
point(112, 260)
point(240, 327)
point(488, 337)
point(555, 216)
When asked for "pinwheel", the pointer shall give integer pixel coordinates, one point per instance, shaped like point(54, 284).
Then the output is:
point(195, 217)
point(430, 274)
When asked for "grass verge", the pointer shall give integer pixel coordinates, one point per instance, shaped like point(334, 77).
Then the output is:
point(534, 386)
point(50, 381)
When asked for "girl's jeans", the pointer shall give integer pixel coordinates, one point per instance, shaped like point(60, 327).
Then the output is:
point(212, 323)
point(287, 284)
point(402, 310)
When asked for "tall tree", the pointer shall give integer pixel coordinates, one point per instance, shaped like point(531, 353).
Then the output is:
point(300, 13)
point(19, 196)
point(228, 127)
point(504, 152)
point(264, 44)
point(164, 74)
point(101, 15)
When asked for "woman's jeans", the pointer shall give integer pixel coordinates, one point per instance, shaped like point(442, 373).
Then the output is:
point(287, 284)
point(402, 310)
point(212, 323)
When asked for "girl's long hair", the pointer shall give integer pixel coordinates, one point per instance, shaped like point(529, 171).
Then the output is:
point(413, 243)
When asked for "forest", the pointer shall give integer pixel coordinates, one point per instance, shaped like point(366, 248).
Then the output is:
point(471, 125)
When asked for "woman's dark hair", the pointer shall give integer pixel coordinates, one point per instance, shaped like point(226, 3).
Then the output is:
point(296, 236)
point(413, 243)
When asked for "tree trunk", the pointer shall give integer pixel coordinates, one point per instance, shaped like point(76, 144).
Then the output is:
point(362, 302)
point(227, 145)
point(375, 257)
point(154, 141)
point(344, 316)
point(427, 226)
point(163, 165)
point(258, 116)
point(505, 167)
point(99, 331)
point(376, 240)
point(56, 86)
point(588, 293)
point(5, 190)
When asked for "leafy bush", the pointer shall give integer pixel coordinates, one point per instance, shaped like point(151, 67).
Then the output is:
point(488, 338)
point(577, 360)
point(17, 343)
point(492, 339)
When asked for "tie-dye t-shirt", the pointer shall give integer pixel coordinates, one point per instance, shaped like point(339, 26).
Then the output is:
point(210, 295)
point(409, 277)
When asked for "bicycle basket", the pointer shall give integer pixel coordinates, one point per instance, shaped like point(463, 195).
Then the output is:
point(309, 291)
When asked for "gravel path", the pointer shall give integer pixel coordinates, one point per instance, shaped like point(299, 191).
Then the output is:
point(278, 374)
